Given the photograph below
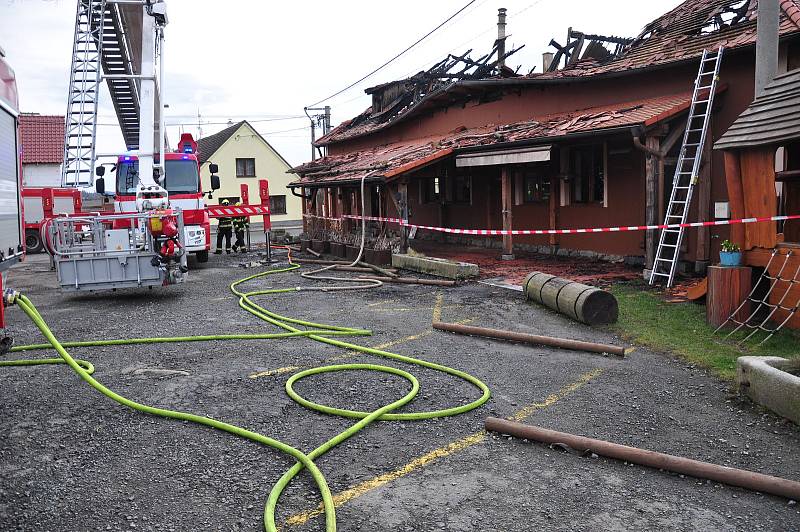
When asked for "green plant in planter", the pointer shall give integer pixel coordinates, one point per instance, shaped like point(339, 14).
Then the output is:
point(730, 247)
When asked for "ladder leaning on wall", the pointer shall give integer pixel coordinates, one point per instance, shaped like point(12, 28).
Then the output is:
point(687, 170)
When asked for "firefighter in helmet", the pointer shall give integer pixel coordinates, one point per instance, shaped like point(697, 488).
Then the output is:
point(224, 230)
point(240, 225)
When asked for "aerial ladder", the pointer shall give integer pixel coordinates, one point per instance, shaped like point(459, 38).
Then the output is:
point(145, 247)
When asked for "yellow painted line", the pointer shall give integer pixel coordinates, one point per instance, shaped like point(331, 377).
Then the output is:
point(434, 309)
point(437, 308)
point(351, 354)
point(456, 446)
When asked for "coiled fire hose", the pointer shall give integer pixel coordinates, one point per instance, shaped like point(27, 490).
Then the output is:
point(314, 331)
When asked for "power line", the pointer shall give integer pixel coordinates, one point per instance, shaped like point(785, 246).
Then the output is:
point(387, 63)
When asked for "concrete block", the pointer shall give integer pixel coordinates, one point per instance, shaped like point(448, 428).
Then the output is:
point(772, 382)
point(434, 266)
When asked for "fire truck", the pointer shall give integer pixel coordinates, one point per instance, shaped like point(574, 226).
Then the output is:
point(183, 186)
point(12, 226)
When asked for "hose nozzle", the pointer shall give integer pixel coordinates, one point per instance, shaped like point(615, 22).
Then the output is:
point(10, 297)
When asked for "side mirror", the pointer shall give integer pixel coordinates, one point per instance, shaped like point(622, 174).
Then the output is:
point(100, 171)
point(100, 184)
point(215, 182)
point(213, 168)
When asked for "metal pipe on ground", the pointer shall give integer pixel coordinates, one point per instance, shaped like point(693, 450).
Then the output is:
point(782, 487)
point(581, 302)
point(358, 269)
point(563, 343)
point(409, 280)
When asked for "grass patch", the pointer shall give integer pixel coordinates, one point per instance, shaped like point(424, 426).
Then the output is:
point(680, 328)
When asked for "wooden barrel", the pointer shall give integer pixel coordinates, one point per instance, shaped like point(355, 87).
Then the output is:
point(580, 302)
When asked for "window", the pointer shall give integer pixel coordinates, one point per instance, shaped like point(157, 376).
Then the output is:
point(535, 188)
point(181, 177)
point(277, 204)
point(587, 165)
point(462, 189)
point(245, 167)
point(431, 191)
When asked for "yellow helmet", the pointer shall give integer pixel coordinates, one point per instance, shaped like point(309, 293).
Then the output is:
point(225, 202)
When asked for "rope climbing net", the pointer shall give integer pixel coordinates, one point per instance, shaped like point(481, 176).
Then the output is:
point(765, 317)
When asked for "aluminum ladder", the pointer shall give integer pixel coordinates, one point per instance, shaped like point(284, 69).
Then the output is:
point(102, 50)
point(84, 92)
point(687, 170)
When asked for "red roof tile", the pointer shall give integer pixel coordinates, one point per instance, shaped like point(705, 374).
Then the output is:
point(674, 37)
point(394, 159)
point(42, 138)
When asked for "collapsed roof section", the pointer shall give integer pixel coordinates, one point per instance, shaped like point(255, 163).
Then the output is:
point(383, 163)
point(680, 35)
point(392, 101)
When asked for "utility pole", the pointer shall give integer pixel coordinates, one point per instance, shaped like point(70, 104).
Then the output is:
point(323, 120)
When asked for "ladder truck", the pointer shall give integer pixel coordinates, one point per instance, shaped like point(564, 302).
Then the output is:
point(12, 225)
point(146, 240)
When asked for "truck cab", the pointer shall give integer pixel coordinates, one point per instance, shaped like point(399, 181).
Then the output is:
point(182, 182)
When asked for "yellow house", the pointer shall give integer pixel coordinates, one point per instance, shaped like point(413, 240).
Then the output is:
point(245, 157)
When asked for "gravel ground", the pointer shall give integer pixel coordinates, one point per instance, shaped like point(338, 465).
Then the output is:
point(70, 459)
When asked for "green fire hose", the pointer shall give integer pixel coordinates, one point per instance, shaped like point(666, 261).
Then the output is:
point(314, 331)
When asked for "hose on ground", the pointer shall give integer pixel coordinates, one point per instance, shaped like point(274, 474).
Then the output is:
point(292, 326)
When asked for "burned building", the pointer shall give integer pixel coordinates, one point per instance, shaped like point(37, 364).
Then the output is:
point(591, 141)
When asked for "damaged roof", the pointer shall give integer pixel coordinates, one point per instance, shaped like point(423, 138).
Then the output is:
point(772, 118)
point(385, 162)
point(680, 35)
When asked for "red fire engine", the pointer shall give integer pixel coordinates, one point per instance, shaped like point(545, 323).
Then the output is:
point(12, 227)
point(182, 182)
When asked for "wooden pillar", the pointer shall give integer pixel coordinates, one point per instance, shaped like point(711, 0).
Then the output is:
point(507, 190)
point(703, 251)
point(554, 203)
point(402, 189)
point(733, 179)
point(651, 200)
point(304, 206)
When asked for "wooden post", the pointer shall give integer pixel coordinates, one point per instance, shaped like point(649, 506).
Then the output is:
point(402, 190)
point(304, 206)
point(727, 288)
point(703, 251)
point(507, 189)
point(554, 202)
point(733, 178)
point(651, 201)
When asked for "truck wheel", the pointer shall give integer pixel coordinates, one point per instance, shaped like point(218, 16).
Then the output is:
point(202, 256)
point(33, 242)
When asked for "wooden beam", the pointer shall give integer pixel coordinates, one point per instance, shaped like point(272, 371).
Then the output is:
point(703, 251)
point(733, 179)
point(653, 144)
point(507, 189)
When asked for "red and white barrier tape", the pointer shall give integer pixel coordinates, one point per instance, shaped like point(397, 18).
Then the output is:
point(500, 232)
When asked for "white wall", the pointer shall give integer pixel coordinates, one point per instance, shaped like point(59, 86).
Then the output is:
point(41, 175)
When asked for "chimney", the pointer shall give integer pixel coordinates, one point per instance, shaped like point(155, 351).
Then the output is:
point(501, 36)
point(547, 60)
point(767, 43)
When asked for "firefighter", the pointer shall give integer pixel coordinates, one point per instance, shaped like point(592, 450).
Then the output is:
point(240, 225)
point(224, 230)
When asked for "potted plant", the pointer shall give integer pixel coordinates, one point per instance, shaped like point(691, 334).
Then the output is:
point(319, 240)
point(730, 255)
point(353, 245)
point(338, 246)
point(305, 241)
point(381, 252)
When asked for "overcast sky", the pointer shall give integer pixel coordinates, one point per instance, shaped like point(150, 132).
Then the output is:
point(265, 60)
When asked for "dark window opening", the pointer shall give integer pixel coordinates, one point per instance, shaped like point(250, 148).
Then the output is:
point(431, 190)
point(245, 167)
point(535, 187)
point(462, 189)
point(277, 204)
point(588, 174)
